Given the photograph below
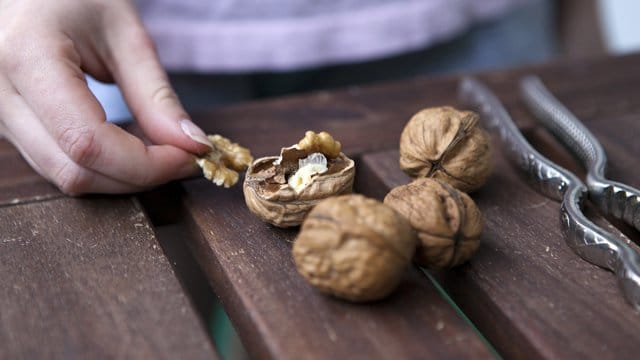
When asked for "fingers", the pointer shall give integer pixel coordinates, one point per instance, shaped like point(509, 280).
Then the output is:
point(47, 110)
point(22, 127)
point(75, 120)
point(144, 83)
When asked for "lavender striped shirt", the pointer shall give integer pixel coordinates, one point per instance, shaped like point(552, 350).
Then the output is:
point(253, 35)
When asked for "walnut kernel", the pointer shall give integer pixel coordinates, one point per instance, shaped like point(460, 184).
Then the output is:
point(222, 163)
point(313, 164)
point(233, 155)
point(448, 223)
point(446, 144)
point(354, 248)
point(322, 142)
point(217, 172)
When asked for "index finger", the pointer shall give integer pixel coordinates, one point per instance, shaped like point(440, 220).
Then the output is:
point(54, 87)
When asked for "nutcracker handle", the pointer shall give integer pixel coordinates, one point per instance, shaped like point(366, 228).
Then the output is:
point(544, 175)
point(599, 246)
point(613, 198)
point(585, 238)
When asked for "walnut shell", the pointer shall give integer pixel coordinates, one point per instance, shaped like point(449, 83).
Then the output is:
point(268, 195)
point(354, 248)
point(448, 223)
point(446, 144)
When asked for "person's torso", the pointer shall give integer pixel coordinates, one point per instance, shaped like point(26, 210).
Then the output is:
point(259, 35)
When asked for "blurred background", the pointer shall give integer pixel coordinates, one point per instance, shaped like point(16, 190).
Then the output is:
point(523, 32)
point(615, 22)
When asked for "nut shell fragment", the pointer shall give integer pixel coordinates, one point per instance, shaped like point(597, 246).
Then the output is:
point(269, 196)
point(354, 248)
point(447, 221)
point(446, 144)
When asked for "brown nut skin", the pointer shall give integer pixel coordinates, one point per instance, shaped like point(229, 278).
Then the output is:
point(354, 248)
point(446, 144)
point(280, 205)
point(448, 223)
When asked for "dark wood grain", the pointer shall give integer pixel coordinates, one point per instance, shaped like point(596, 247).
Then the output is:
point(18, 182)
point(278, 315)
point(87, 279)
point(525, 289)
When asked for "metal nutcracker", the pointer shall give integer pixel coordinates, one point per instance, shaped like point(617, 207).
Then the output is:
point(588, 240)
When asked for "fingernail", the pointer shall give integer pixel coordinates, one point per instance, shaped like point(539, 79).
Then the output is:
point(194, 132)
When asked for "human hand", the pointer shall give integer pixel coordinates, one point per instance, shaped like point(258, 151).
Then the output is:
point(49, 114)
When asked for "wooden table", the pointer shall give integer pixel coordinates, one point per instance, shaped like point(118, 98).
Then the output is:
point(93, 276)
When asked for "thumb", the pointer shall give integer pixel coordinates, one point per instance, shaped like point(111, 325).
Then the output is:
point(146, 88)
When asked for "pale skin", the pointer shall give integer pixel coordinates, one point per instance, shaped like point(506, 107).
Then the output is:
point(49, 114)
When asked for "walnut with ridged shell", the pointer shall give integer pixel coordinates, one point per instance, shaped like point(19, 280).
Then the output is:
point(447, 221)
point(354, 248)
point(447, 144)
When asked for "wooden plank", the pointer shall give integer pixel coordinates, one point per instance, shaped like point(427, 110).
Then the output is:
point(526, 290)
point(278, 315)
point(87, 278)
point(18, 182)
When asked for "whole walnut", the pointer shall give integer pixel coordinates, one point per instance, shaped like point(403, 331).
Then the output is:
point(446, 144)
point(354, 248)
point(448, 223)
point(282, 190)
